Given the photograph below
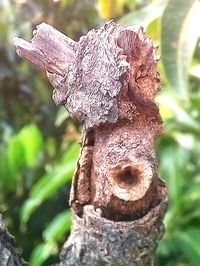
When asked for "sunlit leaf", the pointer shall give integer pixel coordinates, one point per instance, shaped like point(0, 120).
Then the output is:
point(195, 71)
point(60, 225)
point(32, 142)
point(179, 35)
point(22, 151)
point(41, 253)
point(110, 8)
point(15, 159)
point(71, 154)
point(153, 30)
point(187, 141)
point(171, 102)
point(145, 15)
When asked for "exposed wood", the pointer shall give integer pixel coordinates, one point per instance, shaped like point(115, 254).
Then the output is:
point(44, 47)
point(108, 81)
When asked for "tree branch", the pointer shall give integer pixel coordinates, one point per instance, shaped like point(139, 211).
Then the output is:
point(108, 81)
point(9, 255)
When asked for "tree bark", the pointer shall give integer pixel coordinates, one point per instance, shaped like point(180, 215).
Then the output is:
point(107, 80)
point(9, 255)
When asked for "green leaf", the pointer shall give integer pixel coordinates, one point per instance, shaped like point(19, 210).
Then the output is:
point(179, 34)
point(195, 71)
point(41, 253)
point(60, 225)
point(189, 242)
point(61, 116)
point(173, 164)
point(71, 154)
point(45, 188)
point(15, 159)
point(32, 142)
point(171, 102)
point(50, 183)
point(145, 15)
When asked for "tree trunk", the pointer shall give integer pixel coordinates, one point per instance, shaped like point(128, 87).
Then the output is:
point(108, 81)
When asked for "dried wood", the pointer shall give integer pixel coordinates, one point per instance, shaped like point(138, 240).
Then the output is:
point(108, 80)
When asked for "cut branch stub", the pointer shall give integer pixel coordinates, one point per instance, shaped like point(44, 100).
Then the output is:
point(108, 81)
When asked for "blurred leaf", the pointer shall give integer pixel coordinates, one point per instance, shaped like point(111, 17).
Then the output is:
point(22, 151)
point(61, 116)
point(167, 247)
point(193, 194)
point(187, 141)
point(195, 71)
point(145, 15)
point(171, 102)
point(71, 154)
point(45, 188)
point(179, 36)
point(110, 8)
point(195, 213)
point(48, 185)
point(15, 159)
point(173, 161)
point(189, 241)
point(153, 30)
point(41, 253)
point(60, 225)
point(32, 142)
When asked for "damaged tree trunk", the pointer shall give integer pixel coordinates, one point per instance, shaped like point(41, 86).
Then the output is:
point(108, 81)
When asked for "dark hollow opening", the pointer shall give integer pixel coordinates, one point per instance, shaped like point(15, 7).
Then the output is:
point(127, 176)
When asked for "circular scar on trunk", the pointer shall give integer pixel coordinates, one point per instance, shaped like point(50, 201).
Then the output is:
point(130, 181)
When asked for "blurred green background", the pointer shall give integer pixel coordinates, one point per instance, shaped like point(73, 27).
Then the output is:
point(39, 142)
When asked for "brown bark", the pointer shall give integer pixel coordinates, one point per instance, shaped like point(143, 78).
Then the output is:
point(108, 81)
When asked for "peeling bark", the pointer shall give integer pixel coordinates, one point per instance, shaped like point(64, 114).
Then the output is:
point(107, 80)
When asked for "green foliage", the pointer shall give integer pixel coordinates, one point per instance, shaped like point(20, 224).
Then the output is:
point(179, 36)
point(39, 142)
point(145, 15)
point(48, 185)
point(22, 151)
point(53, 233)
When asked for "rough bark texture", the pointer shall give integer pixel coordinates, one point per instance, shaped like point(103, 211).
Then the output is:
point(9, 255)
point(98, 241)
point(108, 81)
